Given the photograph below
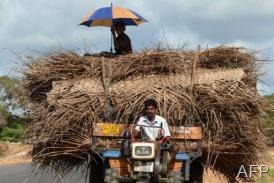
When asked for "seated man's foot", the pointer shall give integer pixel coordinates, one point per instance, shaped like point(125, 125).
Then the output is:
point(87, 55)
point(170, 159)
point(173, 151)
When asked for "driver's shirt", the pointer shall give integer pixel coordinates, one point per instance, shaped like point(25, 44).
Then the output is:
point(152, 133)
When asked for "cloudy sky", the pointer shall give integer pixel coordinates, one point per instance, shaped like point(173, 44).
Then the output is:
point(31, 27)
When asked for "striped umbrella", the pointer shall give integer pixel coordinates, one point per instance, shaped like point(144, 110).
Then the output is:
point(108, 16)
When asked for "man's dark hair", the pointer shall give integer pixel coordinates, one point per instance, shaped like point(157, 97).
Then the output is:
point(120, 23)
point(151, 102)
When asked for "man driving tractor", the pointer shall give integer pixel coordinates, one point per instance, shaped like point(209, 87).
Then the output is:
point(142, 152)
point(152, 119)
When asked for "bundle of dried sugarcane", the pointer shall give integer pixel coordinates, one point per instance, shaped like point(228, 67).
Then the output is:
point(217, 86)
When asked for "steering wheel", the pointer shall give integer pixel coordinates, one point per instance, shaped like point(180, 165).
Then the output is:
point(161, 141)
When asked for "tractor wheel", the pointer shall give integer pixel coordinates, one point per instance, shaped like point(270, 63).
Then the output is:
point(175, 177)
point(96, 170)
point(196, 171)
point(111, 175)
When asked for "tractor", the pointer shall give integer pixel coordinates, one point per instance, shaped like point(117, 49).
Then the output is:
point(118, 157)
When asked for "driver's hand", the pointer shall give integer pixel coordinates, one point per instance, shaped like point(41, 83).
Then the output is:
point(160, 135)
point(164, 140)
point(136, 134)
point(112, 30)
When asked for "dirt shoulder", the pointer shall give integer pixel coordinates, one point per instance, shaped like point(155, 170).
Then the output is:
point(14, 153)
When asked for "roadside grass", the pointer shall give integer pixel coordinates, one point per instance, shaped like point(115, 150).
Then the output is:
point(267, 178)
point(269, 122)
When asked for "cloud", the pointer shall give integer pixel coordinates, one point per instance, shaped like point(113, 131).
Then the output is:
point(218, 21)
point(42, 23)
point(28, 25)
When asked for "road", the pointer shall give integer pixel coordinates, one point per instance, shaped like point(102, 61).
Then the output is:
point(21, 173)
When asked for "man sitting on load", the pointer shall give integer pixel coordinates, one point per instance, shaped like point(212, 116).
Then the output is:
point(122, 42)
point(160, 134)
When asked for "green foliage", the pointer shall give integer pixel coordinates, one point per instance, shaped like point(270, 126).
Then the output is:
point(267, 178)
point(11, 93)
point(269, 122)
point(13, 132)
point(11, 99)
point(3, 116)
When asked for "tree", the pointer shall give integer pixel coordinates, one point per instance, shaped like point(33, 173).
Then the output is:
point(11, 98)
point(11, 93)
point(269, 122)
point(3, 116)
point(12, 102)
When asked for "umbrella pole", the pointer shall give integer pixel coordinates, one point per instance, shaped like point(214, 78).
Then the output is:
point(111, 36)
point(109, 107)
point(111, 40)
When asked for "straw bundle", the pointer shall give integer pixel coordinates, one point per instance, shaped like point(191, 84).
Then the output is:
point(217, 86)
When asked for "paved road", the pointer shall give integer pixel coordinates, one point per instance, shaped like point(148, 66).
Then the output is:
point(21, 173)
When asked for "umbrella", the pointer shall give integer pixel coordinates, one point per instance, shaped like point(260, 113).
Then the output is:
point(108, 16)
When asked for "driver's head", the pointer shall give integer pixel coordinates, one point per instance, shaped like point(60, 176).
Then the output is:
point(151, 108)
point(119, 27)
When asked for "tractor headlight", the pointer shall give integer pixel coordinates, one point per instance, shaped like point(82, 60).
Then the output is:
point(143, 150)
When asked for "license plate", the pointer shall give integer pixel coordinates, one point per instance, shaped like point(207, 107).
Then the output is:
point(112, 129)
point(148, 167)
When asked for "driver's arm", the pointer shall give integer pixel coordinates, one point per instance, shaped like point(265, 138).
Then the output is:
point(166, 129)
point(164, 132)
point(114, 39)
point(136, 130)
point(136, 134)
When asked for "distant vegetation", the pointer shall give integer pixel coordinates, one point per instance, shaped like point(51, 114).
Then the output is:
point(12, 106)
point(269, 123)
point(14, 130)
point(267, 178)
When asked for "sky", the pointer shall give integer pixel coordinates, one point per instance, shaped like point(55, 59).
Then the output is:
point(29, 27)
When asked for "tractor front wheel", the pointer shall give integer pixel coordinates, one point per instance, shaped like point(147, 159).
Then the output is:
point(175, 177)
point(196, 171)
point(96, 170)
point(111, 175)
